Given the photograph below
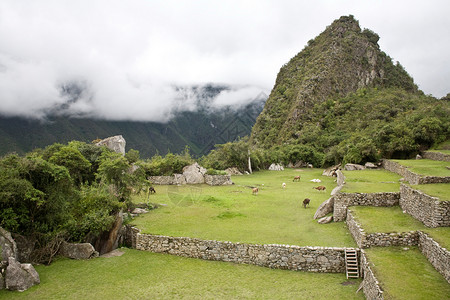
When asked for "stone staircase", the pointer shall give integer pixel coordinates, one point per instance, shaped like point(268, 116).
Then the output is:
point(351, 263)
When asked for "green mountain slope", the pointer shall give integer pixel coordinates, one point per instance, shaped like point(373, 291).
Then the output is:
point(342, 59)
point(343, 99)
point(200, 130)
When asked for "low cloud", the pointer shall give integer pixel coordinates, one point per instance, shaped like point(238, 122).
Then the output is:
point(139, 60)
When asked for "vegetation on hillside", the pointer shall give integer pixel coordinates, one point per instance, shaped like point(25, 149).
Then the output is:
point(364, 126)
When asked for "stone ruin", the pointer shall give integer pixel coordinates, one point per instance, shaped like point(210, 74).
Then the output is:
point(116, 143)
point(276, 167)
point(192, 174)
point(14, 276)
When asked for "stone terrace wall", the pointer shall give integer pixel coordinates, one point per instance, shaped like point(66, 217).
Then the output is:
point(358, 234)
point(344, 200)
point(371, 286)
point(178, 179)
point(429, 210)
point(175, 179)
point(438, 256)
point(436, 156)
point(218, 179)
point(379, 239)
point(412, 177)
point(312, 259)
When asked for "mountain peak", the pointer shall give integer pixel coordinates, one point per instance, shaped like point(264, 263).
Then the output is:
point(340, 60)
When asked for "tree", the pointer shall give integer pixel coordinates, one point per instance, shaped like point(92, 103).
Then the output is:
point(74, 161)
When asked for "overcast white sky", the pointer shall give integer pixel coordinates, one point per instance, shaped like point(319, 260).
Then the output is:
point(130, 54)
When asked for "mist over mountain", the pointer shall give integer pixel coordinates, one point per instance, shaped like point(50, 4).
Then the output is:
point(198, 118)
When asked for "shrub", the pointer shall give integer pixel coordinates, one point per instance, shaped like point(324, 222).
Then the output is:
point(215, 172)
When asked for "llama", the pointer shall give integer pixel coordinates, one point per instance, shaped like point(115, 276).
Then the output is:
point(320, 188)
point(306, 202)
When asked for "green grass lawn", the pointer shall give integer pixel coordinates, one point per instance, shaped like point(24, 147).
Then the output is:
point(371, 181)
point(145, 275)
point(426, 167)
point(232, 213)
point(440, 190)
point(392, 219)
point(407, 274)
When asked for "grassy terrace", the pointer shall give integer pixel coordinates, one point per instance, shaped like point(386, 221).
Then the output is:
point(407, 274)
point(145, 275)
point(426, 167)
point(232, 213)
point(441, 151)
point(440, 190)
point(392, 219)
point(371, 181)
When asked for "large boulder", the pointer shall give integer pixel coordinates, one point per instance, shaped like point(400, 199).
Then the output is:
point(19, 277)
point(331, 171)
point(325, 220)
point(370, 165)
point(14, 275)
point(276, 167)
point(336, 190)
point(194, 174)
point(7, 245)
point(25, 247)
point(2, 281)
point(325, 208)
point(353, 167)
point(233, 171)
point(77, 250)
point(116, 143)
point(340, 180)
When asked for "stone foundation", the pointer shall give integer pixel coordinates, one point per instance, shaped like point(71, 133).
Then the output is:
point(436, 156)
point(218, 179)
point(371, 287)
point(438, 256)
point(179, 179)
point(379, 239)
point(429, 210)
point(311, 259)
point(412, 177)
point(344, 200)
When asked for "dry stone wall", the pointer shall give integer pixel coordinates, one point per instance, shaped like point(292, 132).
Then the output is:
point(311, 259)
point(379, 239)
point(429, 210)
point(178, 179)
point(371, 287)
point(218, 179)
point(412, 177)
point(344, 200)
point(438, 256)
point(436, 156)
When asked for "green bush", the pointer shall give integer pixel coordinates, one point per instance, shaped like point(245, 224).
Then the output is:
point(168, 165)
point(92, 213)
point(215, 172)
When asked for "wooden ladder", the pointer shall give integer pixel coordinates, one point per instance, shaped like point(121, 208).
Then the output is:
point(351, 263)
